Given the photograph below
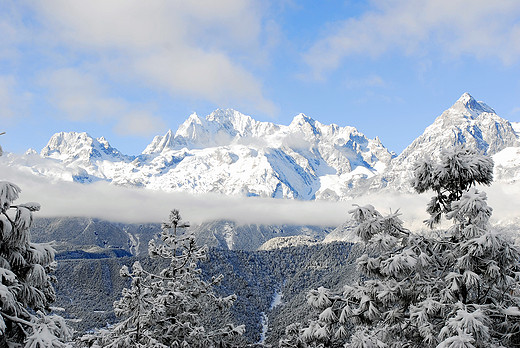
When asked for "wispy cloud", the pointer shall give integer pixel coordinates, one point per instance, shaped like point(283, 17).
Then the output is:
point(369, 81)
point(483, 29)
point(139, 122)
point(6, 98)
point(115, 203)
point(12, 104)
point(80, 96)
point(515, 111)
point(191, 49)
point(122, 204)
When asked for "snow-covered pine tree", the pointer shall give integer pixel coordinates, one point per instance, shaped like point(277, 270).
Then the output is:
point(168, 309)
point(459, 288)
point(26, 290)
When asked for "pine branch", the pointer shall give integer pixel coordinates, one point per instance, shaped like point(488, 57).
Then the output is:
point(17, 320)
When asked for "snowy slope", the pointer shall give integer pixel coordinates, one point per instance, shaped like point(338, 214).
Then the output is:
point(344, 233)
point(88, 159)
point(226, 152)
point(288, 242)
point(467, 121)
point(230, 153)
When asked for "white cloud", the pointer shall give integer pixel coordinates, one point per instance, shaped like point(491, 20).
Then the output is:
point(483, 29)
point(372, 80)
point(115, 203)
point(6, 97)
point(184, 47)
point(516, 110)
point(81, 97)
point(12, 105)
point(11, 27)
point(139, 122)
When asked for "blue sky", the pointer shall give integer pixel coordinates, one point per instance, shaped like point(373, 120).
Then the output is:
point(129, 70)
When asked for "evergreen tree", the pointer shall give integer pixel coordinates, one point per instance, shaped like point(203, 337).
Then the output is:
point(459, 288)
point(26, 290)
point(169, 309)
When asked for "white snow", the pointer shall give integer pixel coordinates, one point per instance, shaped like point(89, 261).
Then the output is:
point(135, 242)
point(229, 233)
point(277, 300)
point(507, 165)
point(226, 152)
point(265, 327)
point(232, 154)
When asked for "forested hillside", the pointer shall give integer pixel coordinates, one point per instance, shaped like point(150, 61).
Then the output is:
point(87, 288)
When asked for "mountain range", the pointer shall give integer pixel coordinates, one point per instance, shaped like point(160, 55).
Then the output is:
point(230, 153)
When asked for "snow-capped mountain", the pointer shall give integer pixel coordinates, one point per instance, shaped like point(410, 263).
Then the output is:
point(86, 158)
point(80, 148)
point(230, 153)
point(468, 121)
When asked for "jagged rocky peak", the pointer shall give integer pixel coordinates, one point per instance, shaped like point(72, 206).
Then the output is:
point(222, 123)
point(73, 146)
point(228, 115)
point(302, 119)
point(160, 143)
point(306, 124)
point(67, 143)
point(467, 122)
point(103, 142)
point(236, 125)
point(31, 152)
point(466, 107)
point(474, 123)
point(220, 128)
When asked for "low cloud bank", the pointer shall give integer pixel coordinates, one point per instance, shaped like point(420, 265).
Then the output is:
point(133, 205)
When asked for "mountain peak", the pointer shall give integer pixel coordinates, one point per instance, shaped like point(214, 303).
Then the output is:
point(306, 124)
point(221, 115)
point(467, 106)
point(467, 122)
point(160, 143)
point(466, 98)
point(72, 146)
point(63, 142)
point(104, 142)
point(194, 118)
point(302, 118)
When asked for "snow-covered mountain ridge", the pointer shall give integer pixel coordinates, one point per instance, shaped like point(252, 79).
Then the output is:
point(231, 153)
point(226, 152)
point(467, 121)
